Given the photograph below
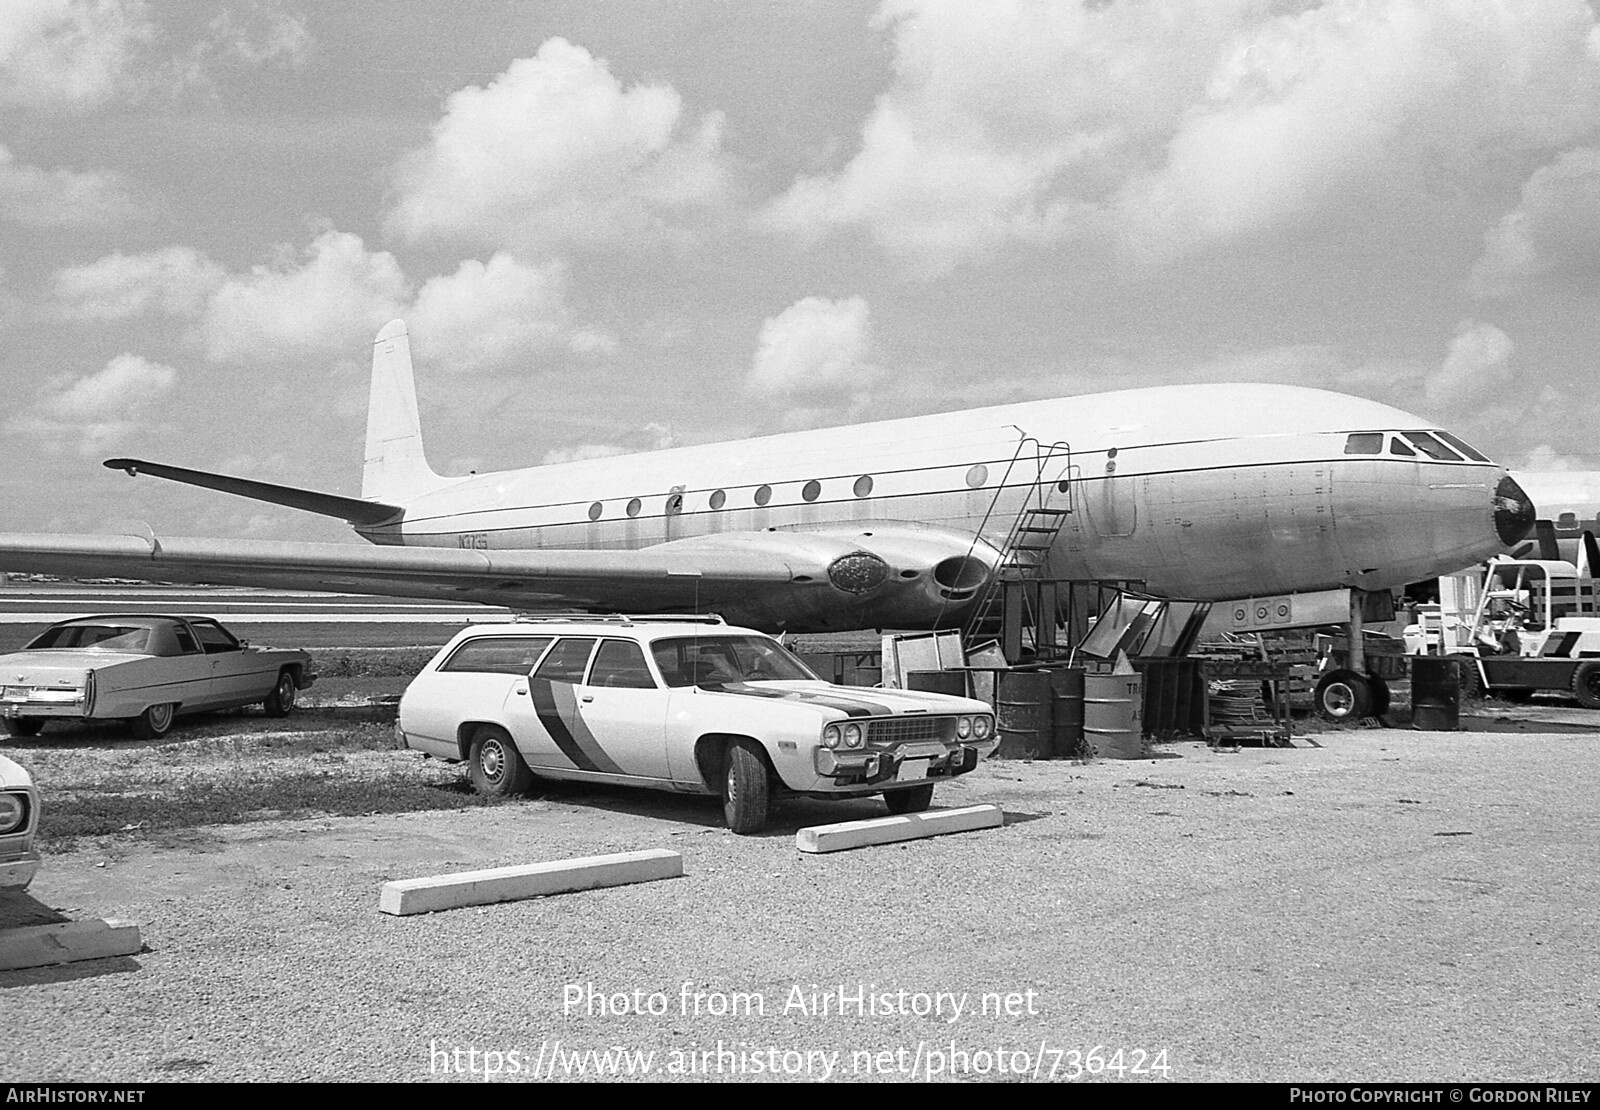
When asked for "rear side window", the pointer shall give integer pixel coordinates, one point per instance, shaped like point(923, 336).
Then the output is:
point(567, 660)
point(1364, 443)
point(214, 638)
point(497, 654)
point(621, 663)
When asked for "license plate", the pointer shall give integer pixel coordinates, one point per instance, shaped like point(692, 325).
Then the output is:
point(910, 769)
point(14, 693)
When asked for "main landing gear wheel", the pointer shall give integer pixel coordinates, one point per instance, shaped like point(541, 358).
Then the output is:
point(914, 800)
point(745, 789)
point(497, 768)
point(1586, 685)
point(1343, 696)
point(24, 726)
point(280, 702)
point(154, 723)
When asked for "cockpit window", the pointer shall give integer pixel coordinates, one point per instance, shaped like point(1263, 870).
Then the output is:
point(1432, 447)
point(1364, 443)
point(1398, 446)
point(1470, 452)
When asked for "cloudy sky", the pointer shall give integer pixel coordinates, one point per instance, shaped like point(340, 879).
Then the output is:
point(617, 226)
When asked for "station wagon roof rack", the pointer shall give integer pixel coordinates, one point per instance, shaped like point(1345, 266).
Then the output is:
point(619, 618)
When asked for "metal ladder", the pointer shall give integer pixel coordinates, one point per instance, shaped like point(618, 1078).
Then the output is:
point(1024, 554)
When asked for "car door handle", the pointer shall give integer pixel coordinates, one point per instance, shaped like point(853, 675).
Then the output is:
point(520, 690)
point(588, 697)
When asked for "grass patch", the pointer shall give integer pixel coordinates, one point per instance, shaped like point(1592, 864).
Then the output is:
point(253, 774)
point(371, 662)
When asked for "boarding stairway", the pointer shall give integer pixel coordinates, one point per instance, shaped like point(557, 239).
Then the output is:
point(1018, 607)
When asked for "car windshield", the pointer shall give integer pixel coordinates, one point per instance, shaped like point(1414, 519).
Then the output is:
point(703, 660)
point(92, 637)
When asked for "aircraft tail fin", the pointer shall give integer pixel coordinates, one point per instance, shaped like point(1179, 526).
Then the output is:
point(396, 469)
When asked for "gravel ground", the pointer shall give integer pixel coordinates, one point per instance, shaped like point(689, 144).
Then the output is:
point(1368, 905)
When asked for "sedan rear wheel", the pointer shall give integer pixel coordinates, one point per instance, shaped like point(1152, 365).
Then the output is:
point(154, 722)
point(497, 768)
point(280, 702)
point(24, 726)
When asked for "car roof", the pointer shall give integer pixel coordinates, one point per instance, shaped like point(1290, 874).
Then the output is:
point(138, 620)
point(601, 626)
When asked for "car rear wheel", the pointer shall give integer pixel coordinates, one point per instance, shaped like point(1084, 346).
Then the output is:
point(154, 723)
point(24, 726)
point(745, 788)
point(497, 767)
point(914, 800)
point(280, 703)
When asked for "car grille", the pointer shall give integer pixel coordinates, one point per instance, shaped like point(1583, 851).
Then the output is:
point(907, 730)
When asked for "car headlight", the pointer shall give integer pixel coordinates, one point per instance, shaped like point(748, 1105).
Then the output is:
point(852, 736)
point(13, 812)
point(963, 727)
point(831, 736)
point(981, 727)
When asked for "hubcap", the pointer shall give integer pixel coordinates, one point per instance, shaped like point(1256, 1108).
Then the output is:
point(493, 760)
point(160, 716)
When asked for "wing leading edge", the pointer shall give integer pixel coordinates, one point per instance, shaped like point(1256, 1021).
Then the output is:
point(765, 579)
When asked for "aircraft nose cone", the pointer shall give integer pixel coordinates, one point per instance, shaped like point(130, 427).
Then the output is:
point(1513, 511)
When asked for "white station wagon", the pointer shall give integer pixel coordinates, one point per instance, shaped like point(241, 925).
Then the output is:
point(691, 706)
point(19, 821)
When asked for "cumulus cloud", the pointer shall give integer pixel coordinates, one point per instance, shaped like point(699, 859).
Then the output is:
point(1165, 128)
point(1546, 459)
point(68, 53)
point(655, 437)
point(175, 281)
point(489, 315)
point(331, 297)
point(556, 151)
point(97, 410)
point(1555, 227)
point(815, 350)
point(1477, 363)
point(38, 197)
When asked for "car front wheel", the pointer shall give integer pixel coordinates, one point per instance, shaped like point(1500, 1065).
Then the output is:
point(497, 767)
point(24, 726)
point(914, 800)
point(153, 723)
point(745, 789)
point(280, 702)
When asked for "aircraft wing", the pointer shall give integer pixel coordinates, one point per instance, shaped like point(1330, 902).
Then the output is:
point(768, 579)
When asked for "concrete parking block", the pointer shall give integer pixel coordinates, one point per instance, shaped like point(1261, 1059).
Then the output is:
point(887, 830)
point(67, 942)
point(533, 880)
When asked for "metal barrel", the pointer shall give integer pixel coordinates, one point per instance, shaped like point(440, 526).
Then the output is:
point(1436, 693)
point(1112, 723)
point(938, 682)
point(1022, 715)
point(1066, 713)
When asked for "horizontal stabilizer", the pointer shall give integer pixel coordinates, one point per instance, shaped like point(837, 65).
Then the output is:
point(352, 509)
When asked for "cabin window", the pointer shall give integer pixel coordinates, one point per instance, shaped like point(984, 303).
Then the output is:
point(977, 476)
point(1399, 447)
point(718, 499)
point(763, 495)
point(1432, 447)
point(595, 510)
point(675, 504)
point(1470, 452)
point(812, 490)
point(1364, 443)
point(634, 506)
point(863, 485)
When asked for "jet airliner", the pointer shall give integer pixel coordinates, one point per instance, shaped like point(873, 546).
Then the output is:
point(1200, 491)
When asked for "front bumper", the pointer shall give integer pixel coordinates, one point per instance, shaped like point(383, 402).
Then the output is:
point(912, 764)
point(18, 871)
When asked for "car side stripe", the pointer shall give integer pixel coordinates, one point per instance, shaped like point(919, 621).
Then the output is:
point(556, 705)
